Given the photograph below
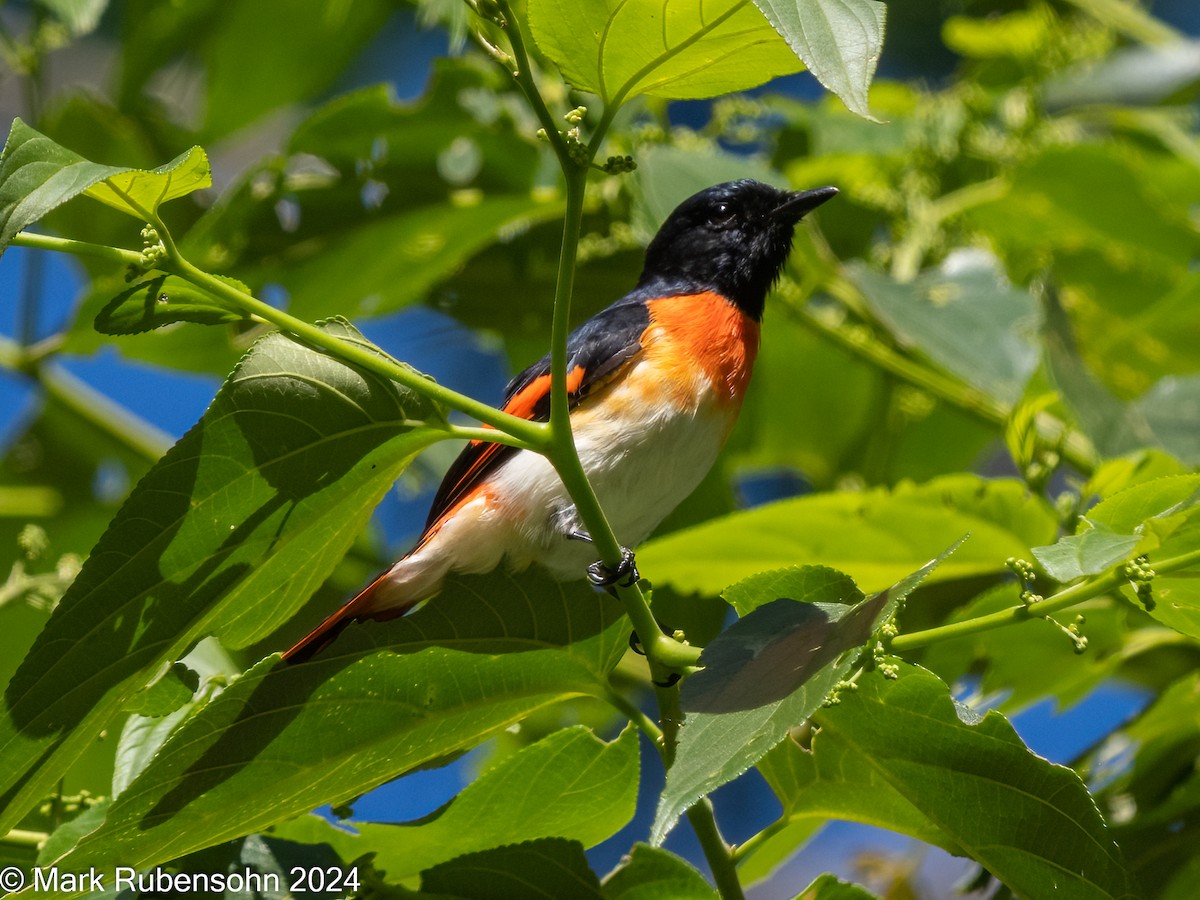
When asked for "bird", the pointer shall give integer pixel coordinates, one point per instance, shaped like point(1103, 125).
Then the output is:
point(655, 383)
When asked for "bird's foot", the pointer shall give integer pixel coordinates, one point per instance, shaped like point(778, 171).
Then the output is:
point(623, 574)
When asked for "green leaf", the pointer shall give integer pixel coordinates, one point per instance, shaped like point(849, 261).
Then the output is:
point(965, 317)
point(680, 49)
point(767, 673)
point(651, 873)
point(876, 536)
point(37, 175)
point(1046, 837)
point(569, 785)
point(383, 700)
point(229, 533)
point(1087, 553)
point(1130, 76)
point(831, 780)
point(830, 887)
point(549, 869)
point(161, 301)
point(839, 40)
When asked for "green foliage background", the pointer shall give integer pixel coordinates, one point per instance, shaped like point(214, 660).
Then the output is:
point(994, 332)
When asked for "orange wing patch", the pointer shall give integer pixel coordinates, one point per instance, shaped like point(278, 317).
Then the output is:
point(705, 331)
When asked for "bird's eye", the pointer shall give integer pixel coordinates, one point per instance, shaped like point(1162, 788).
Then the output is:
point(722, 216)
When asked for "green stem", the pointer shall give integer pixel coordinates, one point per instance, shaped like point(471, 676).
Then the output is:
point(661, 651)
point(531, 434)
point(718, 853)
point(525, 81)
point(926, 219)
point(743, 850)
point(1068, 596)
point(78, 248)
point(19, 838)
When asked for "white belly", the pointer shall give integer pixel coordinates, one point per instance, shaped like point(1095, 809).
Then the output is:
point(640, 466)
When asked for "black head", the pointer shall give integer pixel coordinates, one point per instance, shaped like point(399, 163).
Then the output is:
point(732, 238)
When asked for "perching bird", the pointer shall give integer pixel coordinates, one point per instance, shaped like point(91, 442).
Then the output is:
point(655, 383)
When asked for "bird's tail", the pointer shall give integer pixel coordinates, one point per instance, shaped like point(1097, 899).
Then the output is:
point(414, 578)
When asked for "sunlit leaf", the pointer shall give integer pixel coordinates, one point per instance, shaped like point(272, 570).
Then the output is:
point(37, 175)
point(840, 41)
point(679, 49)
point(1045, 838)
point(876, 537)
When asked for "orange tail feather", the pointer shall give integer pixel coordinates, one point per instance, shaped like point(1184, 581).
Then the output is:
point(356, 609)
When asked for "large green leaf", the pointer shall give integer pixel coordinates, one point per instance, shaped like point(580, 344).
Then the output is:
point(875, 536)
point(229, 533)
point(569, 785)
point(768, 673)
point(383, 700)
point(1030, 823)
point(37, 175)
point(160, 301)
point(839, 40)
point(678, 49)
point(831, 780)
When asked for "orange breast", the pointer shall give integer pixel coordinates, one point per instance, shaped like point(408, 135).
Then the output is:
point(705, 333)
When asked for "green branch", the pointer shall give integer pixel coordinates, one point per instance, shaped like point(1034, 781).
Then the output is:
point(77, 248)
point(1069, 596)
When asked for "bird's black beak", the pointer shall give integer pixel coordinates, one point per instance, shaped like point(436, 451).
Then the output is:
point(801, 203)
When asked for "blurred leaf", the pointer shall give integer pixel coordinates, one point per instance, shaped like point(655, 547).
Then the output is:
point(427, 244)
point(769, 672)
point(840, 42)
point(874, 536)
point(651, 873)
point(684, 49)
point(162, 301)
point(385, 699)
point(569, 785)
point(1020, 34)
point(320, 42)
point(1150, 781)
point(1088, 195)
point(965, 317)
point(79, 16)
point(37, 175)
point(950, 763)
point(229, 533)
point(547, 869)
point(1130, 76)
point(1171, 409)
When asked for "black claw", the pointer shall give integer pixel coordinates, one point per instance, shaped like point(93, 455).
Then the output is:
point(635, 644)
point(672, 680)
point(624, 574)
